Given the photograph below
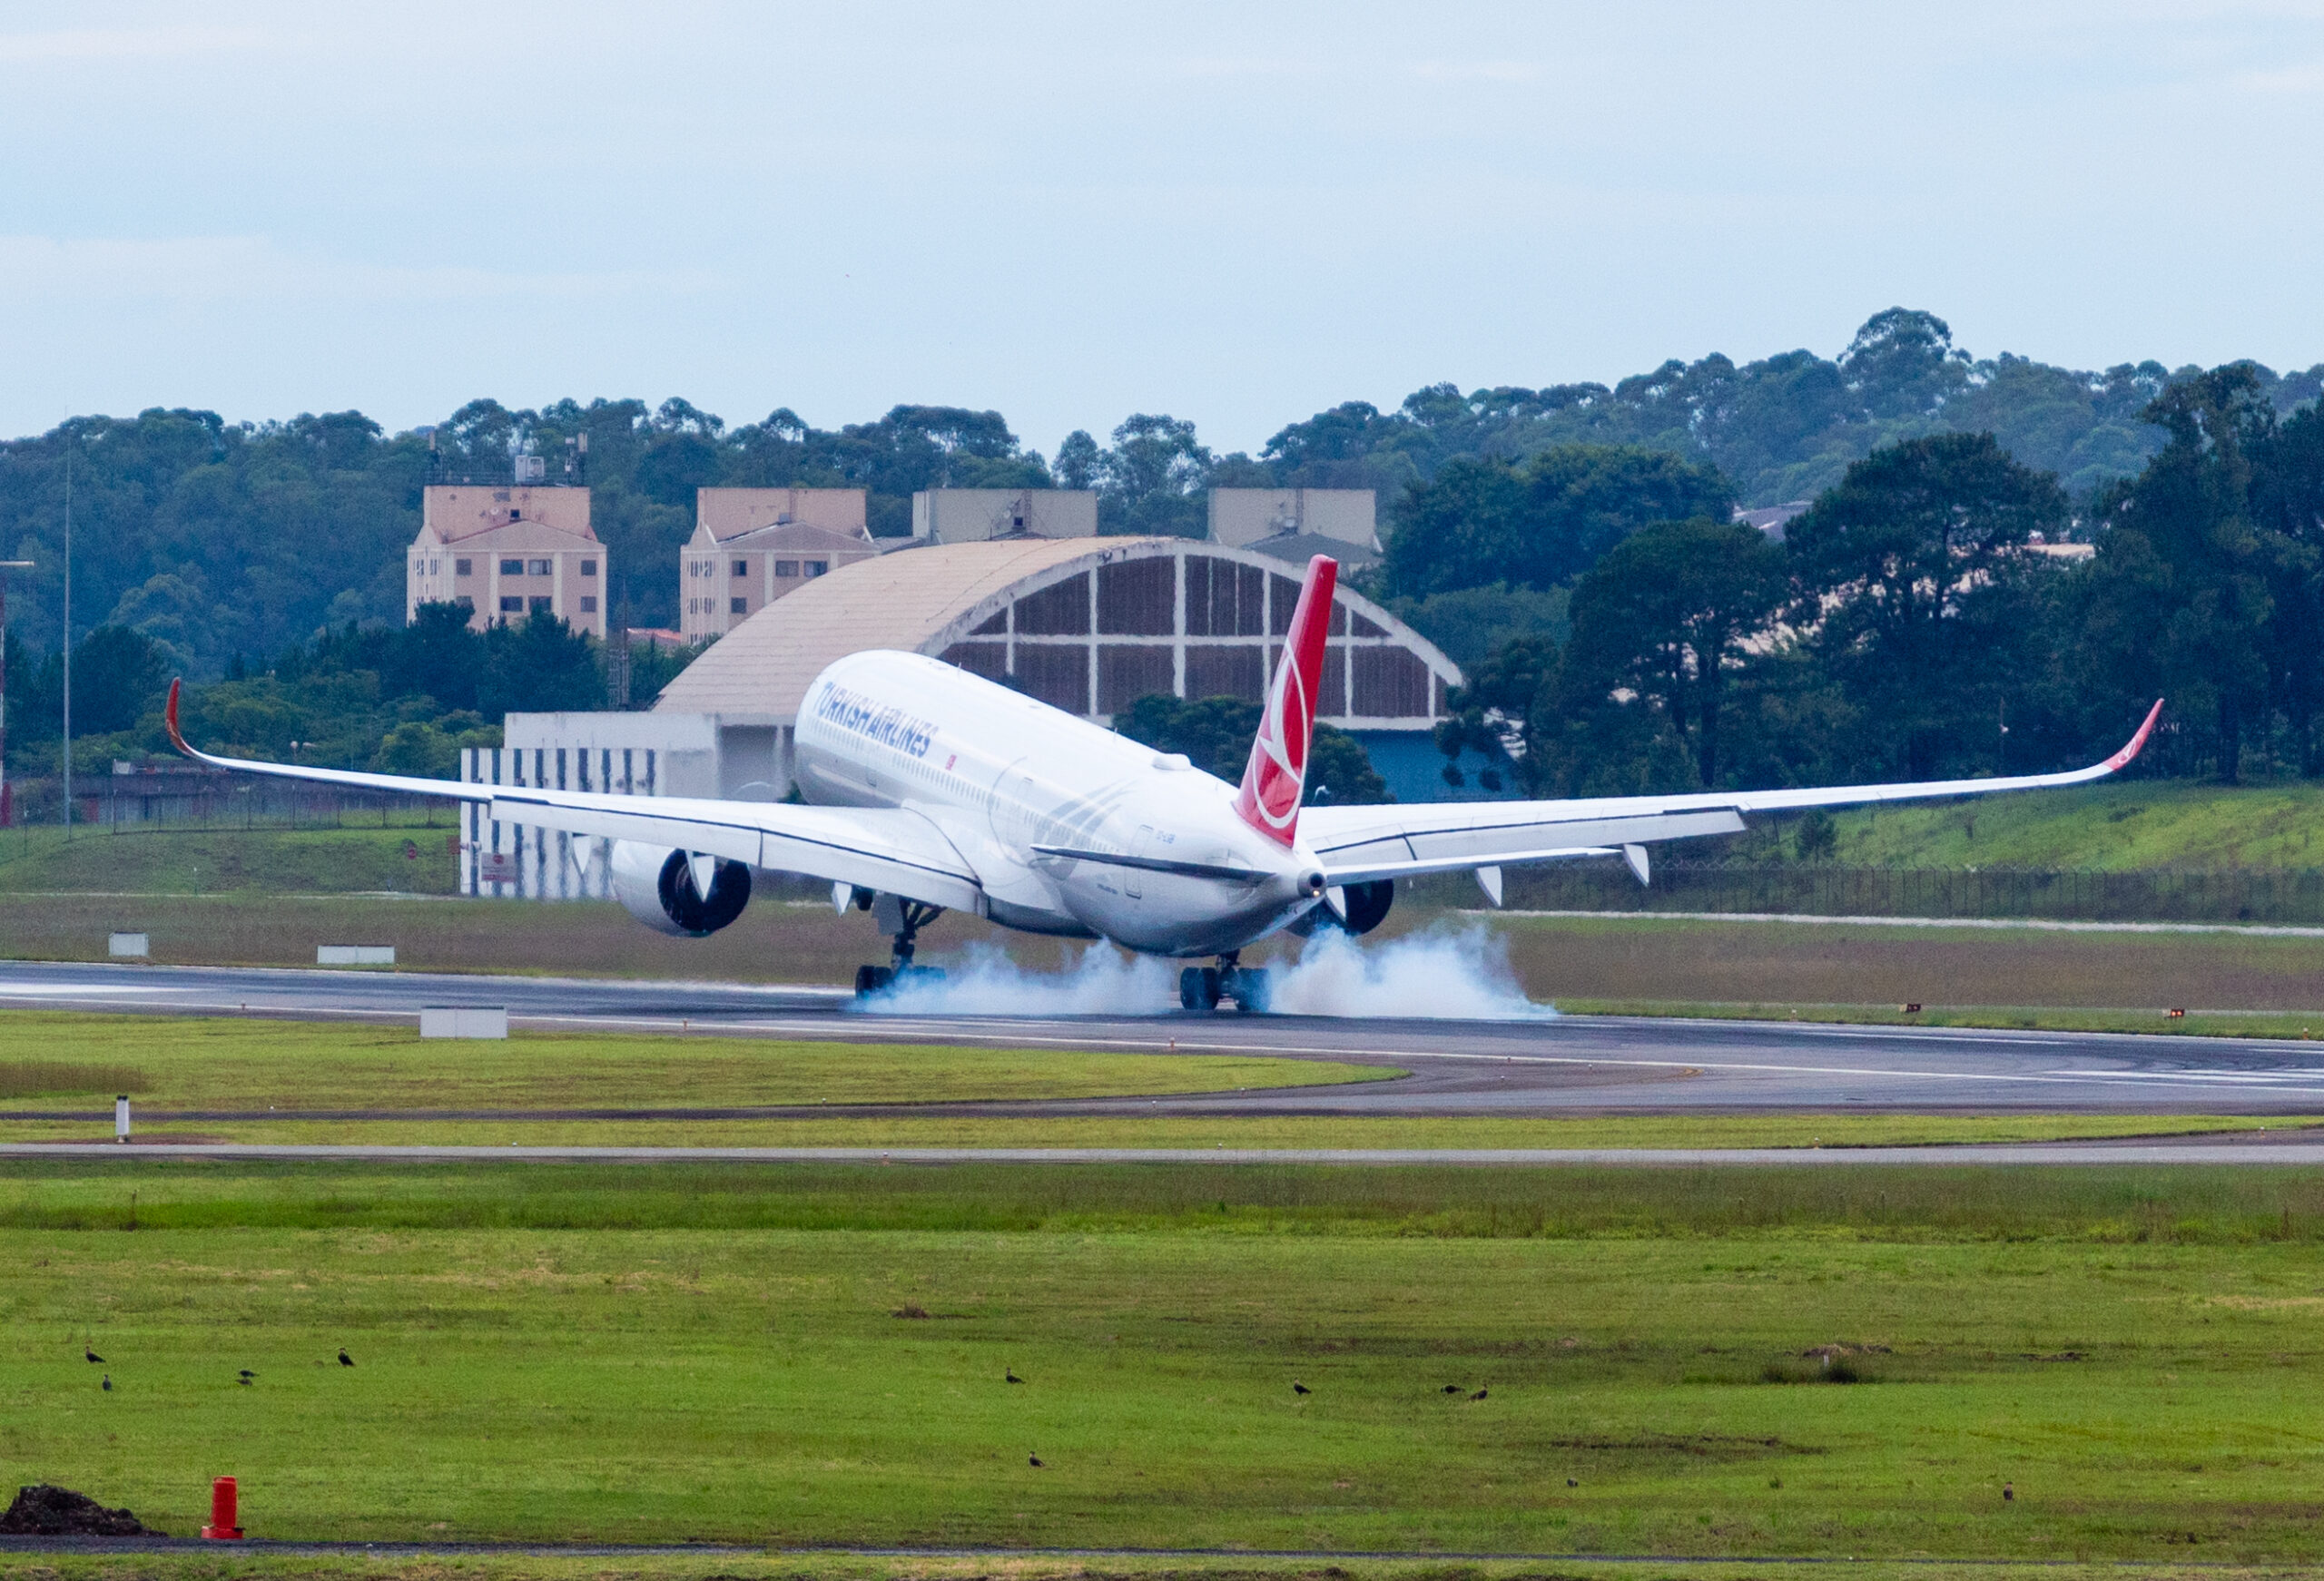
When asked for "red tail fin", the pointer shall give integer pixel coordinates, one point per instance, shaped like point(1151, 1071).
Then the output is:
point(1276, 775)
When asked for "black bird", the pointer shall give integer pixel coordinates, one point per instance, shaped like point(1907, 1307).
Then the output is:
point(344, 1358)
point(91, 1355)
point(1034, 1461)
point(1480, 1393)
point(108, 1384)
point(1298, 1388)
point(2008, 1492)
point(1570, 1482)
point(244, 1377)
point(1454, 1389)
point(1008, 1372)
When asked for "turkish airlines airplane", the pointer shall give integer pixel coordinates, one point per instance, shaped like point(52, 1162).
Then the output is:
point(929, 788)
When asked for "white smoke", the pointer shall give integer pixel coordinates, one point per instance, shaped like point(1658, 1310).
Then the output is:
point(1445, 974)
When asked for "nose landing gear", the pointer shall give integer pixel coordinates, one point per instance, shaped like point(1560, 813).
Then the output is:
point(1202, 988)
point(903, 920)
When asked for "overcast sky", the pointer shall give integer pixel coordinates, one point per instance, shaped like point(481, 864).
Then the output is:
point(1235, 213)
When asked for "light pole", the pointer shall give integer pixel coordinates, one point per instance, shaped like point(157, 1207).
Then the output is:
point(7, 805)
point(68, 645)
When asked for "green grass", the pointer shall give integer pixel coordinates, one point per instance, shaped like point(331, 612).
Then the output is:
point(2297, 1024)
point(177, 862)
point(234, 1063)
point(661, 1355)
point(2123, 825)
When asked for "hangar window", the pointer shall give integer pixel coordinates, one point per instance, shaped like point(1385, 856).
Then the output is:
point(1226, 672)
point(1059, 610)
point(1364, 628)
point(1128, 671)
point(995, 625)
point(1334, 698)
point(1138, 598)
point(1223, 598)
point(990, 660)
point(1058, 676)
point(1390, 683)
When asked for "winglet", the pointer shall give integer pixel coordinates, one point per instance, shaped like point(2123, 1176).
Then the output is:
point(1275, 779)
point(170, 717)
point(2138, 740)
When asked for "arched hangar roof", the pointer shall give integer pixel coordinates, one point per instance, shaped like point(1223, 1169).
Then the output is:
point(1088, 624)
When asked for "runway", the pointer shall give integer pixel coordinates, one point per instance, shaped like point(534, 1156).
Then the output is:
point(1544, 1067)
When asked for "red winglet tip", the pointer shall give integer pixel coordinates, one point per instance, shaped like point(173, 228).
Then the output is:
point(170, 716)
point(2138, 742)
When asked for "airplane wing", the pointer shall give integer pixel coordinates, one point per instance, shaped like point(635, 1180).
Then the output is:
point(1364, 844)
point(892, 849)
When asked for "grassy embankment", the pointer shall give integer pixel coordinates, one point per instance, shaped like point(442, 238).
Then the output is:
point(233, 1080)
point(567, 1354)
point(2117, 826)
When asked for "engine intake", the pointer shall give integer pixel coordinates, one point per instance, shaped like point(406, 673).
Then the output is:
point(1366, 909)
point(656, 885)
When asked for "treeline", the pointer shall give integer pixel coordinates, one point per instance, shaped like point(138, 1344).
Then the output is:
point(1908, 625)
point(218, 539)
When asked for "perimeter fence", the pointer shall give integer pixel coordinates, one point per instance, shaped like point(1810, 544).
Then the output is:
point(2289, 896)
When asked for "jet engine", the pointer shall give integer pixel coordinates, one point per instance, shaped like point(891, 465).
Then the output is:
point(665, 890)
point(1363, 907)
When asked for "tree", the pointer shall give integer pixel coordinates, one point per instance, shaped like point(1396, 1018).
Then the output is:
point(1665, 614)
point(1215, 735)
point(1911, 574)
point(2182, 537)
point(1151, 481)
point(540, 665)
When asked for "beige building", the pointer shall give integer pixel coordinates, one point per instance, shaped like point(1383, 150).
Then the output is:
point(1292, 523)
point(751, 546)
point(973, 516)
point(505, 553)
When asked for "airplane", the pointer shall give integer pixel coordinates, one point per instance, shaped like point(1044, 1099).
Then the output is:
point(928, 789)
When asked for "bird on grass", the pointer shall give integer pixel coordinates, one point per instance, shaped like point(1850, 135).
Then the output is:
point(107, 1385)
point(244, 1377)
point(91, 1355)
point(1299, 1388)
point(344, 1358)
point(1480, 1393)
point(1011, 1374)
point(2008, 1492)
point(1456, 1388)
point(1570, 1482)
point(1034, 1461)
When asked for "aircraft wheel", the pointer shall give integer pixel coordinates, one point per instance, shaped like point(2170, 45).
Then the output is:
point(1190, 989)
point(921, 974)
point(1214, 987)
point(870, 980)
point(1253, 992)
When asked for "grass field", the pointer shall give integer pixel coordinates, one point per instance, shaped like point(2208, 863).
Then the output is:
point(666, 1354)
point(175, 862)
point(2117, 826)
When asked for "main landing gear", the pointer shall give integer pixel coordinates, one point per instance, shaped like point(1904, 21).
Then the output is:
point(1202, 988)
point(902, 919)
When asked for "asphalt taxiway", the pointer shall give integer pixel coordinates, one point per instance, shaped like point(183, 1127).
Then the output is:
point(1549, 1065)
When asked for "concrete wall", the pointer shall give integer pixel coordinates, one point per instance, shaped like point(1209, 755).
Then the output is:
point(1241, 516)
point(964, 516)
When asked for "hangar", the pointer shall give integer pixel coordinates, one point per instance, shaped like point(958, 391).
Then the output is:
point(1086, 625)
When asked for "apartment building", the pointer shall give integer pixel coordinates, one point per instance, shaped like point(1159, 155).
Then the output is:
point(751, 546)
point(506, 553)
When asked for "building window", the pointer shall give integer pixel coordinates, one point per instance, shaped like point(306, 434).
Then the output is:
point(538, 605)
point(465, 602)
point(434, 568)
point(419, 567)
point(512, 604)
point(817, 567)
point(463, 567)
point(786, 568)
point(512, 568)
point(588, 604)
point(540, 567)
point(738, 606)
point(741, 567)
point(588, 567)
point(515, 516)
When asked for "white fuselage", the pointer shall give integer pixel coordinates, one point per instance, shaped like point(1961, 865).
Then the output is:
point(999, 773)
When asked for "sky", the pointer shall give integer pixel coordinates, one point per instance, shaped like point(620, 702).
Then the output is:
point(1234, 213)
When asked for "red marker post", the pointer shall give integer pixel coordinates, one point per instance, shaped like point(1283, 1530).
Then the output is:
point(222, 1528)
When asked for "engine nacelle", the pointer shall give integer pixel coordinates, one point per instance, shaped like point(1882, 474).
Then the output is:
point(1365, 907)
point(656, 885)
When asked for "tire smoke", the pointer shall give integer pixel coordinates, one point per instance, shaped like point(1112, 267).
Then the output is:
point(1445, 973)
